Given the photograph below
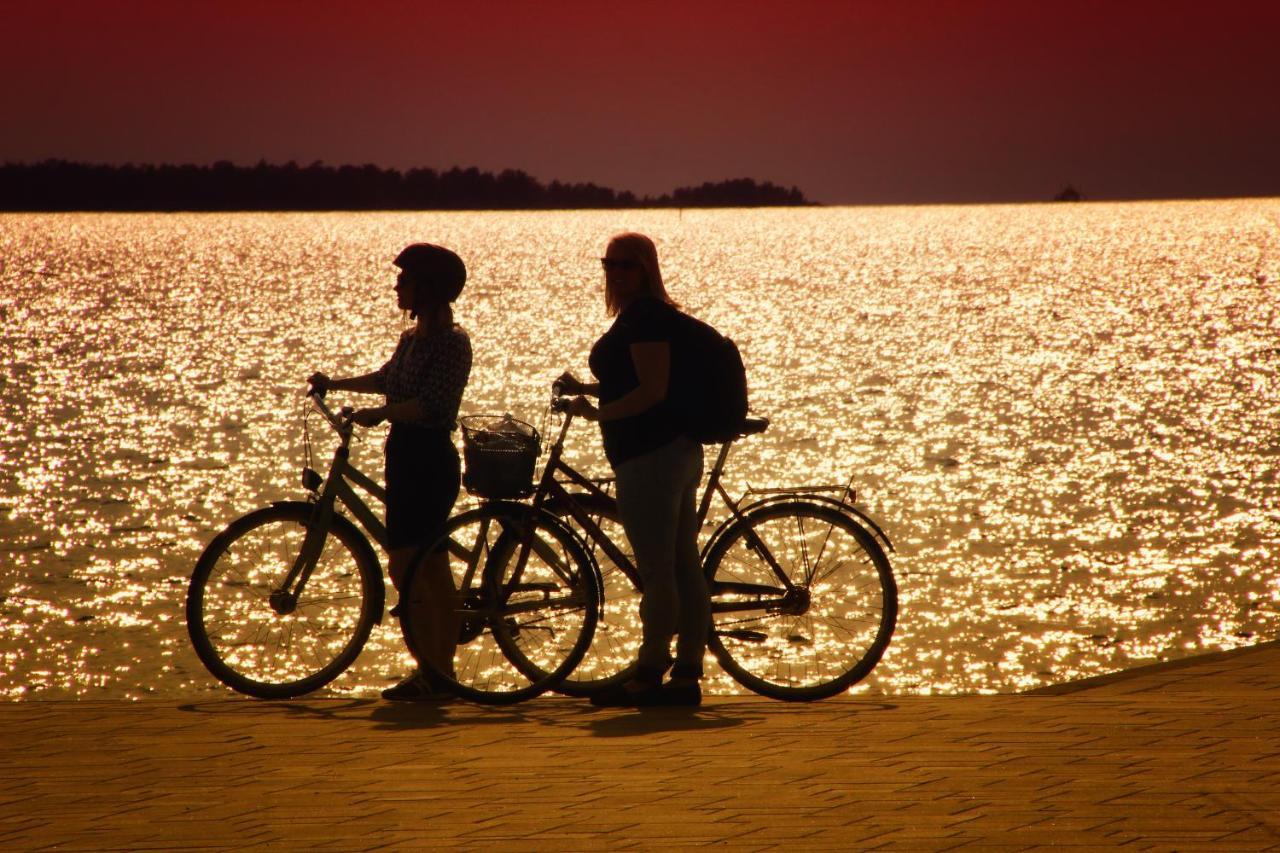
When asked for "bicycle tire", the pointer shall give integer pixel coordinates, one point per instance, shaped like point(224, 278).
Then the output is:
point(244, 642)
point(788, 650)
point(611, 659)
point(510, 648)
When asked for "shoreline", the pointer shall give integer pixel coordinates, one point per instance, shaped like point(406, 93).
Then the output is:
point(1166, 759)
point(808, 205)
point(1170, 671)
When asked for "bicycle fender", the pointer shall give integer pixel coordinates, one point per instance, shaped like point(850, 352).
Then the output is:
point(715, 537)
point(221, 535)
point(379, 589)
point(592, 562)
point(591, 503)
point(843, 506)
point(552, 520)
point(361, 541)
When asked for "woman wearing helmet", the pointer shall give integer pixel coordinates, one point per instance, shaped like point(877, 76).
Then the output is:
point(423, 383)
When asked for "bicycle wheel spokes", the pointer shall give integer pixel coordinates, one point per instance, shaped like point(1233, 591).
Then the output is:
point(524, 627)
point(266, 644)
point(823, 634)
point(618, 633)
point(542, 614)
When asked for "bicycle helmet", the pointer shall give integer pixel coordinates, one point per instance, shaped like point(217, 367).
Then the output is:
point(440, 269)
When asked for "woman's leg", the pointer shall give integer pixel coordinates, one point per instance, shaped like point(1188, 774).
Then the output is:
point(441, 608)
point(651, 494)
point(423, 475)
point(432, 604)
point(695, 602)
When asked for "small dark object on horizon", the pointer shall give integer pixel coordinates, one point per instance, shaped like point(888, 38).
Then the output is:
point(1069, 193)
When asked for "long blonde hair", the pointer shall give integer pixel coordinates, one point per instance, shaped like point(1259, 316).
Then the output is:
point(641, 250)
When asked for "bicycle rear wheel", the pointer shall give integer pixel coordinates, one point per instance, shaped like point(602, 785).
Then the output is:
point(823, 630)
point(524, 628)
point(254, 639)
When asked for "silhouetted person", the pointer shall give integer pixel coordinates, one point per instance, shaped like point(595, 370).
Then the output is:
point(423, 383)
point(657, 471)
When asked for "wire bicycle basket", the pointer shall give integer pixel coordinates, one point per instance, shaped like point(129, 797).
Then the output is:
point(499, 454)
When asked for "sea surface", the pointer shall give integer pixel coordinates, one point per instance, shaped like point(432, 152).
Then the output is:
point(1066, 416)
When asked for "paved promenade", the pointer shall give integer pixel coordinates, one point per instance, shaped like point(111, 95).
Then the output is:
point(1176, 757)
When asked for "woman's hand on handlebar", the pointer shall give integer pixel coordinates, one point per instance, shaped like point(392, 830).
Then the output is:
point(320, 384)
point(566, 384)
point(369, 417)
point(581, 407)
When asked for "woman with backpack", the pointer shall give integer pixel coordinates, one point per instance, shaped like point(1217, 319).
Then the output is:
point(423, 382)
point(657, 471)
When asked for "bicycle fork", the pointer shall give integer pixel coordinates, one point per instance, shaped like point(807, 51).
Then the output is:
point(284, 598)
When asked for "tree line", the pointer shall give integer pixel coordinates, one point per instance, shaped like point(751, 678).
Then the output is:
point(58, 185)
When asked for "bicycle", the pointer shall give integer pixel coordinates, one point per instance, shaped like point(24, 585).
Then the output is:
point(283, 599)
point(785, 601)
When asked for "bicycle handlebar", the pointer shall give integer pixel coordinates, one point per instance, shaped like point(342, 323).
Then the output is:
point(341, 420)
point(560, 399)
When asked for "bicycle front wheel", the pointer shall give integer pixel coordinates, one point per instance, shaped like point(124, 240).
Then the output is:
point(819, 631)
point(258, 641)
point(611, 659)
point(525, 626)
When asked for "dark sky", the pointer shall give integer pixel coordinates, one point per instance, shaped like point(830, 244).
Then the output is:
point(896, 101)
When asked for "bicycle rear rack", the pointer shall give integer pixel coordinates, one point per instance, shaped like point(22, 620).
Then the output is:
point(847, 494)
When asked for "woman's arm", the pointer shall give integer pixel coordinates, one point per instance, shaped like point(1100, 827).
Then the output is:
point(652, 362)
point(571, 385)
point(369, 383)
point(406, 411)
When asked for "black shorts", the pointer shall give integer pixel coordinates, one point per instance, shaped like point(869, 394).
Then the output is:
point(423, 477)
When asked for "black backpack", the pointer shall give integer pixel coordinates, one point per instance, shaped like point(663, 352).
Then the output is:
point(708, 383)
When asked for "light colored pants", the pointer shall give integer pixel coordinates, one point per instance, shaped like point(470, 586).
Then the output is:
point(657, 504)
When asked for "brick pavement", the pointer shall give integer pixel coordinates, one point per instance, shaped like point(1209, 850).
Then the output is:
point(1173, 757)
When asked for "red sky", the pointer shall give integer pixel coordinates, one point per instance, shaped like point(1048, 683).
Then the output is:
point(853, 102)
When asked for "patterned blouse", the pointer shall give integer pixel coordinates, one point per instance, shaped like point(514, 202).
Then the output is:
point(432, 370)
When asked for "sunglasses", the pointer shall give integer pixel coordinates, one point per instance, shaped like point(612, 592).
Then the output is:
point(611, 264)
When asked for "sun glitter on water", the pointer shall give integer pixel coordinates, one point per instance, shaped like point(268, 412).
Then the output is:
point(1063, 415)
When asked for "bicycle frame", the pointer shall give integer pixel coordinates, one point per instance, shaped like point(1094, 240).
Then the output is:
point(329, 490)
point(551, 491)
point(337, 487)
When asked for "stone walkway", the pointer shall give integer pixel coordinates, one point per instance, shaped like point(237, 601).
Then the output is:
point(1173, 757)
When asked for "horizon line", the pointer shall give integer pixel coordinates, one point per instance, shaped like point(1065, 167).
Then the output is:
point(762, 184)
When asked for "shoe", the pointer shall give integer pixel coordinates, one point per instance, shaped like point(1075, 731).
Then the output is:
point(440, 684)
point(675, 696)
point(619, 696)
point(417, 688)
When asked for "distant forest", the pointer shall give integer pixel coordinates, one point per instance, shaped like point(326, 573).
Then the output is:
point(55, 185)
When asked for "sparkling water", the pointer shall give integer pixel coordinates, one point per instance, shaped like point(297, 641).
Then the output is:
point(1066, 417)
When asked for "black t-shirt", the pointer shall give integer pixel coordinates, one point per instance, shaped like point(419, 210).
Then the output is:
point(646, 320)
